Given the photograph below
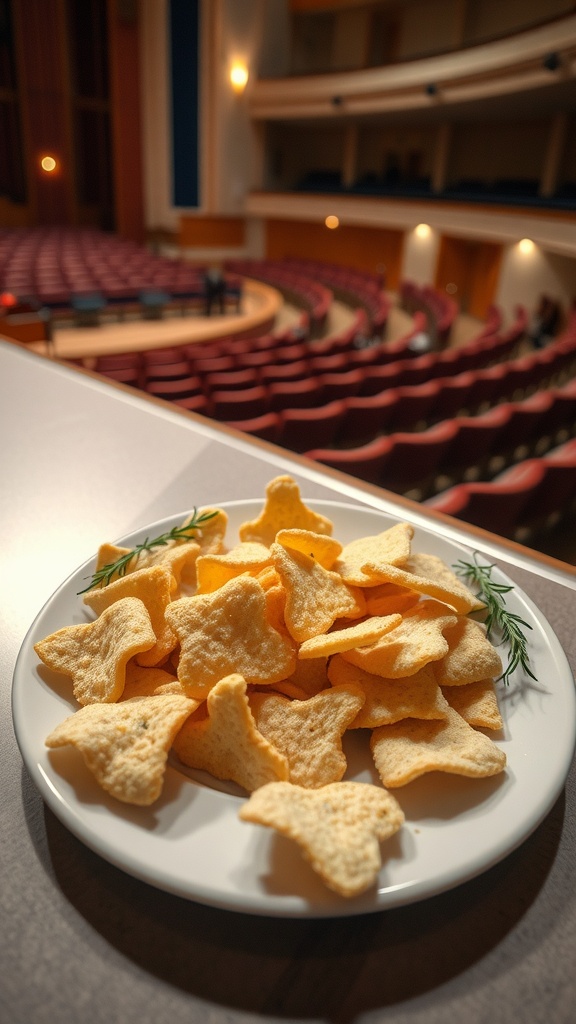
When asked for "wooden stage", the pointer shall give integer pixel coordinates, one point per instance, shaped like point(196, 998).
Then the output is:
point(260, 306)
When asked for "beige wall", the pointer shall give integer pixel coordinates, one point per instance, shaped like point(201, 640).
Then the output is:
point(525, 277)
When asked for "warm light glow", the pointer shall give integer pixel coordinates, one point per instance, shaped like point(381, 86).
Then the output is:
point(526, 246)
point(48, 163)
point(422, 230)
point(238, 76)
point(332, 221)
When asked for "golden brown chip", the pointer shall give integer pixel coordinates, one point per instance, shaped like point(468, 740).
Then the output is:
point(213, 571)
point(227, 743)
point(212, 533)
point(126, 745)
point(406, 750)
point(153, 586)
point(470, 655)
point(434, 568)
point(477, 703)
point(110, 553)
point(283, 509)
point(359, 635)
point(338, 827)
point(307, 679)
point(418, 640)
point(391, 547)
point(309, 732)
point(144, 682)
point(390, 700)
point(95, 654)
point(316, 545)
point(315, 597)
point(387, 598)
point(227, 632)
point(179, 557)
point(461, 602)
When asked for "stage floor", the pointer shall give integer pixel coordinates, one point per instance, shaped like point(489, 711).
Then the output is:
point(259, 310)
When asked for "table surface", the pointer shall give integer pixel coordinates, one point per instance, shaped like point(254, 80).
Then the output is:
point(82, 461)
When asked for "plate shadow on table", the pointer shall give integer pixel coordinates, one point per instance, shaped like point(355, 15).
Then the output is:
point(334, 968)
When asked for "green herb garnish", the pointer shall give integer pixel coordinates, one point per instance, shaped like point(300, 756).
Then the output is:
point(510, 626)
point(117, 569)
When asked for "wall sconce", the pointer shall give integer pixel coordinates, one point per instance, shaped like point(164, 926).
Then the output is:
point(526, 246)
point(422, 230)
point(332, 221)
point(48, 163)
point(238, 76)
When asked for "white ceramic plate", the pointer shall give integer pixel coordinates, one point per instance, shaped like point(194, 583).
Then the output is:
point(191, 841)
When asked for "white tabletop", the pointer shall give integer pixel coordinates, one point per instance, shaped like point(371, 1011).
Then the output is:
point(83, 461)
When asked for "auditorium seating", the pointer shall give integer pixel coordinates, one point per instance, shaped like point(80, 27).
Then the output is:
point(298, 287)
point(524, 502)
point(297, 427)
point(57, 266)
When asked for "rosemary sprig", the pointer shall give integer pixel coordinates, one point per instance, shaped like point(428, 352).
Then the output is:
point(119, 568)
point(510, 625)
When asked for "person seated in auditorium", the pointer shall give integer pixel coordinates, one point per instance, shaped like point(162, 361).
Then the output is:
point(545, 322)
point(215, 289)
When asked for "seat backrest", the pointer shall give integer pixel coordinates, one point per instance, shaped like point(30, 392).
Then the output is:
point(301, 429)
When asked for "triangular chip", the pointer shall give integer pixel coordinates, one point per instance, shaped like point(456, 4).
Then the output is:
point(144, 682)
point(470, 656)
point(283, 509)
point(126, 745)
point(339, 827)
point(153, 586)
point(359, 635)
point(309, 732)
point(316, 545)
point(390, 700)
point(406, 750)
point(213, 571)
point(227, 743)
point(387, 598)
point(391, 547)
point(307, 679)
point(434, 568)
point(315, 597)
point(227, 632)
point(95, 654)
point(477, 703)
point(418, 640)
point(460, 600)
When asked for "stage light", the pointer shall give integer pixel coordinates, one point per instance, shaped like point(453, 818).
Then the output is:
point(48, 163)
point(332, 221)
point(238, 76)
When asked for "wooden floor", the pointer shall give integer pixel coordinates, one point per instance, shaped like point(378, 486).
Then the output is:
point(259, 311)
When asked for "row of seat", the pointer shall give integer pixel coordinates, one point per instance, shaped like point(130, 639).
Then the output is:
point(248, 392)
point(460, 448)
point(523, 502)
point(355, 287)
point(313, 379)
point(56, 266)
point(315, 297)
point(440, 308)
